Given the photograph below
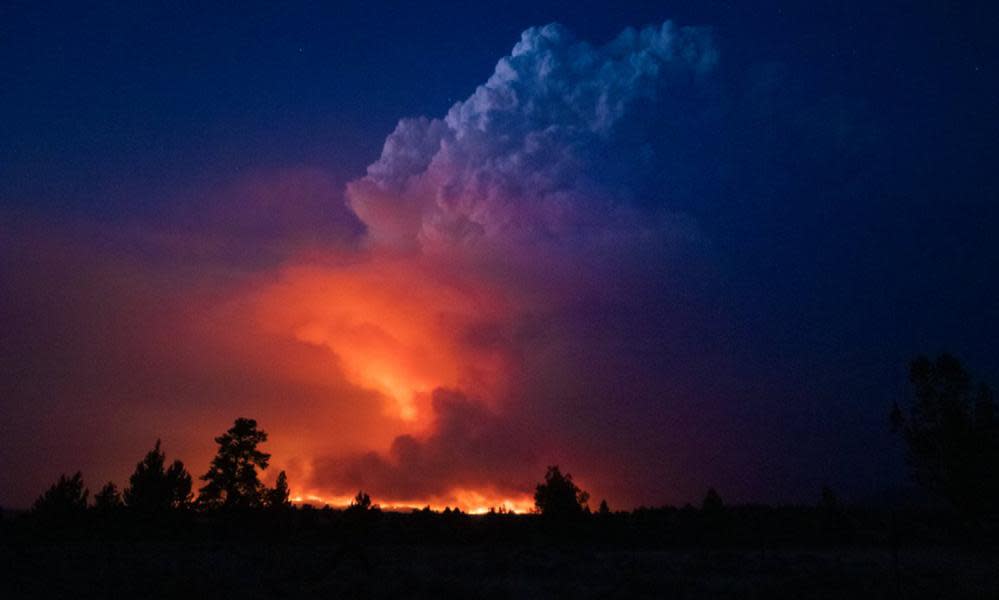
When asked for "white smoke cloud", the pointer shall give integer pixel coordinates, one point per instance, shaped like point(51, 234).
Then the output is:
point(519, 160)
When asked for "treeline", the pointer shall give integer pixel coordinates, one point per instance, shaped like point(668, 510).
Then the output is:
point(158, 505)
point(710, 524)
point(156, 489)
point(950, 428)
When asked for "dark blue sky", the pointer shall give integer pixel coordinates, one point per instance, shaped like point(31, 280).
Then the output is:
point(842, 162)
point(102, 101)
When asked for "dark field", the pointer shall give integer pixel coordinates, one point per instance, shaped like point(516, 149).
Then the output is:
point(129, 570)
point(672, 554)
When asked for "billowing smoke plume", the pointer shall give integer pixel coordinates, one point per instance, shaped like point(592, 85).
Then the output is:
point(511, 285)
point(528, 189)
point(532, 154)
point(469, 448)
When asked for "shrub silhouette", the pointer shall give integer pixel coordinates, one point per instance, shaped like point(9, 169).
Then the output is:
point(278, 497)
point(108, 499)
point(712, 502)
point(360, 503)
point(604, 510)
point(153, 488)
point(232, 480)
point(828, 500)
point(951, 434)
point(558, 497)
point(64, 502)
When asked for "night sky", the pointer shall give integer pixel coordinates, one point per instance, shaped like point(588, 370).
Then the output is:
point(434, 248)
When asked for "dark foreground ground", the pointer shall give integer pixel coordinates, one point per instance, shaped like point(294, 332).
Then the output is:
point(742, 553)
point(258, 570)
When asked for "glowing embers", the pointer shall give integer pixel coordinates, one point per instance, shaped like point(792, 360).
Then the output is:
point(475, 502)
point(478, 502)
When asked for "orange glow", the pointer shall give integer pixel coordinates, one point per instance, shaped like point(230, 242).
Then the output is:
point(336, 353)
point(394, 326)
point(391, 325)
point(475, 502)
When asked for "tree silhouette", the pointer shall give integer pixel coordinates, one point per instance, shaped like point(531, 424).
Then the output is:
point(558, 496)
point(232, 480)
point(108, 499)
point(828, 501)
point(604, 510)
point(361, 502)
point(153, 488)
point(64, 501)
point(278, 497)
point(712, 501)
point(951, 434)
